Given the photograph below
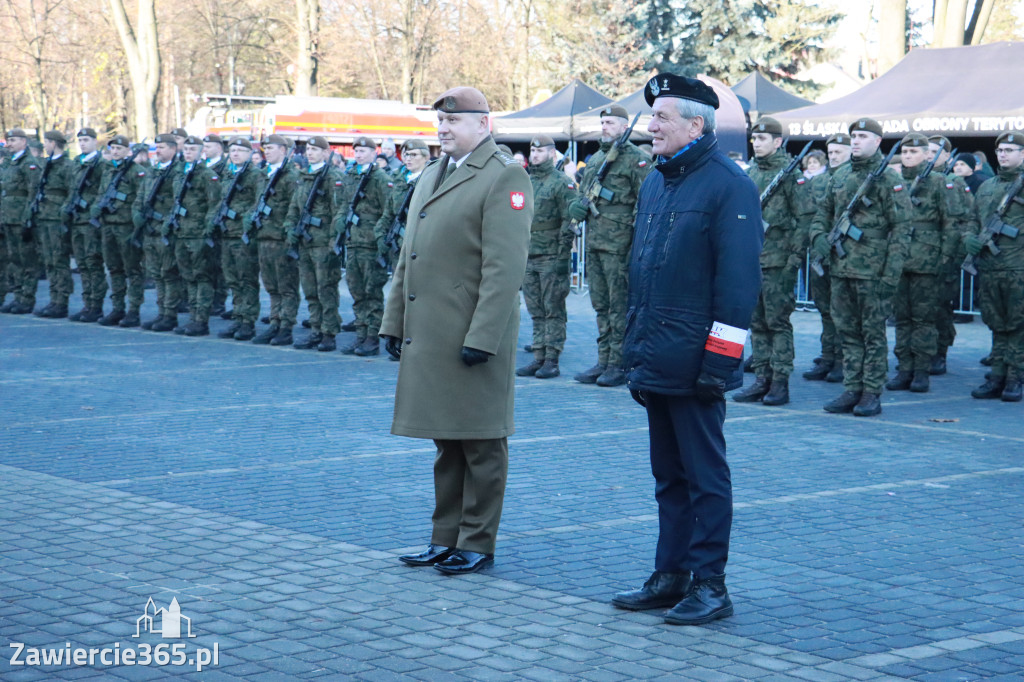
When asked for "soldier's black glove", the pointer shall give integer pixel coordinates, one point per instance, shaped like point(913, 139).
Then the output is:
point(393, 345)
point(638, 396)
point(472, 356)
point(709, 388)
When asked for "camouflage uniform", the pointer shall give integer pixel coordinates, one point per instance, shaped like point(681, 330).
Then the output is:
point(863, 282)
point(161, 263)
point(51, 231)
point(821, 290)
point(319, 266)
point(279, 272)
point(240, 261)
point(194, 256)
point(608, 239)
point(547, 270)
point(960, 206)
point(363, 275)
point(401, 184)
point(219, 278)
point(86, 240)
point(123, 259)
point(17, 177)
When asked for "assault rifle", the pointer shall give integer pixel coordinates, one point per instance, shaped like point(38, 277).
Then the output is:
point(776, 182)
point(262, 207)
point(37, 202)
point(178, 211)
point(148, 212)
point(921, 177)
point(352, 218)
point(995, 225)
point(397, 228)
point(307, 219)
point(77, 203)
point(844, 227)
point(595, 190)
point(225, 211)
point(106, 202)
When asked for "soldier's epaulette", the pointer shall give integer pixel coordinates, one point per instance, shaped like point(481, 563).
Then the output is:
point(505, 158)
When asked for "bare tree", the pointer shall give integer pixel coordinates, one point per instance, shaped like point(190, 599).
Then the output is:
point(307, 62)
point(892, 29)
point(143, 59)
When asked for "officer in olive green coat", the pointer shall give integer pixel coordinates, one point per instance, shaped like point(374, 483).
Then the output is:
point(864, 282)
point(18, 175)
point(453, 316)
point(786, 216)
point(609, 236)
point(546, 285)
point(50, 229)
point(280, 273)
point(935, 241)
point(364, 276)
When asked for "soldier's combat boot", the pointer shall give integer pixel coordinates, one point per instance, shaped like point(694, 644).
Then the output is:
point(530, 369)
point(229, 333)
point(349, 326)
point(245, 332)
point(844, 403)
point(819, 371)
point(227, 315)
point(183, 306)
point(987, 360)
point(327, 344)
point(754, 392)
point(938, 365)
point(835, 375)
point(306, 323)
point(900, 382)
point(45, 311)
point(991, 389)
point(77, 316)
point(921, 383)
point(613, 376)
point(131, 319)
point(350, 349)
point(267, 335)
point(528, 348)
point(197, 329)
point(549, 370)
point(148, 324)
point(869, 405)
point(265, 319)
point(166, 324)
point(779, 392)
point(22, 308)
point(6, 307)
point(1013, 391)
point(112, 318)
point(310, 342)
point(57, 312)
point(369, 347)
point(590, 376)
point(218, 308)
point(748, 365)
point(283, 338)
point(91, 315)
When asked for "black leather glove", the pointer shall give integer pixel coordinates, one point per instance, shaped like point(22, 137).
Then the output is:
point(710, 389)
point(472, 356)
point(393, 345)
point(638, 396)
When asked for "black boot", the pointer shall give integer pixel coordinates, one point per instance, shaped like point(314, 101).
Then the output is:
point(310, 342)
point(900, 382)
point(819, 371)
point(987, 360)
point(530, 369)
point(590, 376)
point(131, 319)
point(229, 333)
point(835, 375)
point(844, 403)
point(197, 329)
point(165, 324)
point(327, 344)
point(660, 591)
point(369, 347)
point(283, 338)
point(58, 311)
point(267, 335)
point(148, 324)
point(869, 405)
point(6, 307)
point(1013, 392)
point(227, 315)
point(748, 365)
point(938, 365)
point(706, 601)
point(754, 392)
point(245, 332)
point(348, 327)
point(112, 318)
point(77, 316)
point(991, 389)
point(613, 376)
point(350, 349)
point(920, 384)
point(45, 311)
point(549, 370)
point(779, 392)
point(91, 315)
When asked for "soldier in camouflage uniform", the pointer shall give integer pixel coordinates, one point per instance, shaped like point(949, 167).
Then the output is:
point(416, 156)
point(319, 266)
point(152, 206)
point(785, 217)
point(18, 176)
point(217, 161)
point(934, 242)
point(1002, 274)
point(608, 239)
point(87, 240)
point(113, 209)
point(547, 270)
point(864, 282)
point(240, 262)
point(829, 365)
point(198, 201)
point(279, 272)
point(363, 274)
point(52, 233)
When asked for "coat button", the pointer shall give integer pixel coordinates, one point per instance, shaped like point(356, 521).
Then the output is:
point(423, 214)
point(408, 341)
point(412, 297)
point(413, 256)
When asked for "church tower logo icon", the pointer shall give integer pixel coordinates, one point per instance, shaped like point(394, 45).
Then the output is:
point(165, 622)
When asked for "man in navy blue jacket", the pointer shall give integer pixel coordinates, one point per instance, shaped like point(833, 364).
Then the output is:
point(694, 279)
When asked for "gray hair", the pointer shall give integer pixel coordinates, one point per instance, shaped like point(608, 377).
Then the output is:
point(689, 108)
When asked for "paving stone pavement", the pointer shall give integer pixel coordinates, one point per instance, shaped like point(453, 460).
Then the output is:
point(260, 488)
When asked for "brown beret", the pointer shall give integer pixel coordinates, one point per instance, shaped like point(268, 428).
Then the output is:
point(671, 85)
point(867, 124)
point(278, 139)
point(320, 142)
point(542, 141)
point(364, 142)
point(942, 141)
point(166, 138)
point(120, 140)
point(192, 140)
point(1011, 138)
point(767, 124)
point(214, 137)
point(16, 132)
point(87, 132)
point(839, 138)
point(415, 144)
point(615, 110)
point(241, 142)
point(915, 140)
point(56, 136)
point(179, 132)
point(462, 100)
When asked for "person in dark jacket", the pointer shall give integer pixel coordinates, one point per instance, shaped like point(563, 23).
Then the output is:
point(694, 279)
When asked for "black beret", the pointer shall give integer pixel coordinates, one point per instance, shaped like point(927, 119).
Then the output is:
point(671, 85)
point(914, 140)
point(839, 138)
point(867, 124)
point(56, 136)
point(1011, 138)
point(767, 124)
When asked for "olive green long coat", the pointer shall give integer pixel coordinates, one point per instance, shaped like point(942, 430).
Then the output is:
point(457, 284)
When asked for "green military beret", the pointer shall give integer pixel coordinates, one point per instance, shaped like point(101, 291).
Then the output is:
point(140, 148)
point(615, 110)
point(839, 138)
point(415, 144)
point(915, 140)
point(767, 124)
point(320, 142)
point(87, 132)
point(193, 140)
point(542, 141)
point(120, 140)
point(166, 138)
point(33, 143)
point(942, 141)
point(462, 100)
point(214, 137)
point(364, 142)
point(1011, 138)
point(56, 136)
point(179, 132)
point(16, 132)
point(278, 139)
point(241, 142)
point(866, 124)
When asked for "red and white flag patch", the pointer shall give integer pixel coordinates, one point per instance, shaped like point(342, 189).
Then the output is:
point(897, 188)
point(726, 340)
point(517, 200)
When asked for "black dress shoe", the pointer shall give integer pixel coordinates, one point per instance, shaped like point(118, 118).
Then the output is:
point(660, 591)
point(706, 601)
point(463, 561)
point(431, 555)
